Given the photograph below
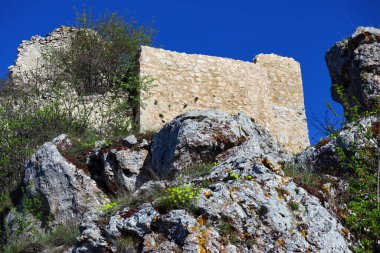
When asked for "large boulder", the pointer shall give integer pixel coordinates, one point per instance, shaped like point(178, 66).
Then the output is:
point(63, 191)
point(207, 136)
point(354, 64)
point(257, 210)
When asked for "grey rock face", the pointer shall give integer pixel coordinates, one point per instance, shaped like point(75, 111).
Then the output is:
point(355, 64)
point(207, 136)
point(257, 211)
point(65, 192)
point(117, 171)
point(91, 239)
point(246, 203)
point(270, 210)
point(129, 221)
point(323, 157)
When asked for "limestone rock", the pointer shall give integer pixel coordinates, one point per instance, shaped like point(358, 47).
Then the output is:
point(246, 204)
point(65, 192)
point(354, 63)
point(91, 239)
point(257, 211)
point(118, 171)
point(323, 157)
point(207, 136)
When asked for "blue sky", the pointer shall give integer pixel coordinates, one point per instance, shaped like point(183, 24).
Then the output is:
point(238, 29)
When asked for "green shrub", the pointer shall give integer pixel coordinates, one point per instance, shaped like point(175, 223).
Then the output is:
point(182, 196)
point(62, 235)
point(127, 243)
point(5, 202)
point(228, 233)
point(362, 162)
point(198, 170)
point(294, 205)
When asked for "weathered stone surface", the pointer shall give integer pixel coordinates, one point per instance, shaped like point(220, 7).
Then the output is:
point(30, 53)
point(65, 192)
point(207, 136)
point(257, 211)
point(354, 63)
point(129, 141)
point(268, 90)
point(269, 209)
point(117, 170)
point(323, 156)
point(91, 239)
point(129, 221)
point(246, 203)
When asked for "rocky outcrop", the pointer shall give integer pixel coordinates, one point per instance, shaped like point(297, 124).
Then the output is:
point(257, 211)
point(246, 204)
point(323, 157)
point(118, 171)
point(354, 64)
point(207, 136)
point(63, 191)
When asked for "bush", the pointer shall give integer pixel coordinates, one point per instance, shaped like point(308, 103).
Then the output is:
point(62, 236)
point(182, 196)
point(361, 159)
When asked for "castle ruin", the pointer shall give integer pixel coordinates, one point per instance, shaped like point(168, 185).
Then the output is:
point(269, 89)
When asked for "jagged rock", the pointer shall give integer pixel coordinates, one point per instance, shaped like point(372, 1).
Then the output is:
point(65, 192)
point(91, 239)
point(354, 63)
point(262, 210)
point(323, 156)
point(269, 211)
point(206, 136)
point(117, 171)
point(130, 221)
point(246, 203)
point(130, 141)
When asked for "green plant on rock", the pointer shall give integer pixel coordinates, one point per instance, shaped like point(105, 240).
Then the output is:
point(234, 176)
point(182, 196)
point(198, 170)
point(127, 243)
point(364, 217)
point(57, 240)
point(294, 205)
point(361, 159)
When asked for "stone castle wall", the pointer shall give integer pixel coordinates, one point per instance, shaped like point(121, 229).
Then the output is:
point(269, 90)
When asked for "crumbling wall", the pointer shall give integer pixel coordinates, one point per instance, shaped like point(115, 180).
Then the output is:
point(269, 90)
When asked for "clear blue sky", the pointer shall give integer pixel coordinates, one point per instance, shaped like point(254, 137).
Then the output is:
point(238, 29)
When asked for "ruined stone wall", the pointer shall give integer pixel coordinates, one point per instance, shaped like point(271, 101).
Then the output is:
point(269, 90)
point(30, 53)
